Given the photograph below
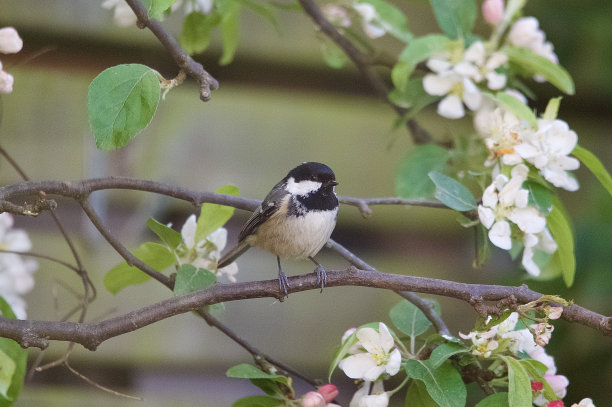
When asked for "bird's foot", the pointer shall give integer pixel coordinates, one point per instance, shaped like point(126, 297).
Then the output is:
point(321, 276)
point(283, 284)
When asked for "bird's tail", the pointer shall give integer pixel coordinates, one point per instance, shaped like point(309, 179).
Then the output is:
point(233, 254)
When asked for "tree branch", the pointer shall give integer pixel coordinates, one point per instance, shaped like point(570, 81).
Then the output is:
point(29, 333)
point(364, 64)
point(182, 58)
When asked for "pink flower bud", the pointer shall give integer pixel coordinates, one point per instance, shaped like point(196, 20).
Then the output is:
point(10, 42)
point(558, 383)
point(555, 312)
point(348, 333)
point(313, 399)
point(537, 386)
point(555, 403)
point(493, 11)
point(329, 392)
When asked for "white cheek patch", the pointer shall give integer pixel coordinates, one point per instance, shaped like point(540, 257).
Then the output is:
point(302, 187)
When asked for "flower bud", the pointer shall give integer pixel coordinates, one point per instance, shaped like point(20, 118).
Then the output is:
point(554, 312)
point(555, 403)
point(558, 383)
point(6, 82)
point(10, 42)
point(348, 333)
point(493, 11)
point(537, 386)
point(313, 399)
point(329, 392)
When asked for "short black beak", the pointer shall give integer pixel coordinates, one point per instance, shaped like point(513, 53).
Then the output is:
point(332, 183)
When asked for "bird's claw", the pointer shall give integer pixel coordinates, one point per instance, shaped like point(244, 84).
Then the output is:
point(283, 284)
point(321, 276)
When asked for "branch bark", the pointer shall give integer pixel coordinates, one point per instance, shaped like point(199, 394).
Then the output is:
point(30, 333)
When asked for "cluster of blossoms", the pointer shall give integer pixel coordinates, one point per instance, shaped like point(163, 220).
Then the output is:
point(16, 272)
point(372, 358)
point(531, 341)
point(125, 17)
point(372, 25)
point(10, 43)
point(205, 253)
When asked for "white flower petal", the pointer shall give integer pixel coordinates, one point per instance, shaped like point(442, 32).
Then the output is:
point(529, 219)
point(451, 107)
point(395, 361)
point(441, 84)
point(486, 215)
point(358, 365)
point(499, 235)
point(472, 97)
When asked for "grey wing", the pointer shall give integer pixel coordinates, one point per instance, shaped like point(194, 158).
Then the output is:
point(267, 208)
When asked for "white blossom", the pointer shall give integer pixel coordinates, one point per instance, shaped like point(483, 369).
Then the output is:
point(548, 150)
point(584, 403)
point(16, 272)
point(526, 33)
point(375, 355)
point(372, 24)
point(537, 241)
point(484, 342)
point(336, 15)
point(377, 397)
point(123, 15)
point(10, 42)
point(205, 253)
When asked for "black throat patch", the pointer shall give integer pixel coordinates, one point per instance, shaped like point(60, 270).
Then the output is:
point(322, 200)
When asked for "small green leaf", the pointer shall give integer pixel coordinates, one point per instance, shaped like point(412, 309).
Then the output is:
point(213, 216)
point(409, 319)
point(412, 97)
point(412, 180)
point(495, 400)
point(154, 255)
point(552, 109)
point(519, 385)
point(189, 279)
point(536, 371)
point(593, 163)
point(230, 19)
point(516, 107)
point(539, 65)
point(417, 396)
point(444, 384)
point(341, 353)
point(539, 196)
point(196, 34)
point(246, 371)
point(420, 49)
point(392, 18)
point(121, 102)
point(167, 235)
point(441, 353)
point(333, 56)
point(157, 8)
point(451, 193)
point(559, 226)
point(259, 401)
point(13, 360)
point(455, 17)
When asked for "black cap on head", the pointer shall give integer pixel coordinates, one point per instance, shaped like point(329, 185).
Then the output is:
point(312, 171)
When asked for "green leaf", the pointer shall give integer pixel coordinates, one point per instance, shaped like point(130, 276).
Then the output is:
point(258, 401)
point(441, 353)
point(519, 384)
point(333, 56)
point(157, 8)
point(189, 279)
point(266, 12)
point(196, 34)
point(167, 235)
point(536, 371)
point(552, 109)
point(409, 319)
point(536, 64)
point(451, 193)
point(121, 102)
point(420, 49)
point(154, 255)
point(230, 19)
point(213, 216)
point(443, 384)
point(13, 361)
point(246, 371)
point(417, 396)
point(593, 163)
point(559, 226)
point(455, 17)
point(495, 400)
point(412, 97)
point(393, 18)
point(516, 107)
point(412, 180)
point(539, 196)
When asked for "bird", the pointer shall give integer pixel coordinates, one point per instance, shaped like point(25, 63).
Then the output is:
point(294, 221)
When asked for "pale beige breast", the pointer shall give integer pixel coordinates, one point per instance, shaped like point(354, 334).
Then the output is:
point(294, 237)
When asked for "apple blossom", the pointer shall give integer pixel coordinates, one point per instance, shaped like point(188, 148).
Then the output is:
point(484, 342)
point(206, 252)
point(6, 81)
point(372, 24)
point(10, 41)
point(587, 402)
point(376, 398)
point(525, 32)
point(313, 399)
point(376, 355)
point(493, 11)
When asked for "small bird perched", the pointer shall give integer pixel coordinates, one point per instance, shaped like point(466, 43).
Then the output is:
point(294, 221)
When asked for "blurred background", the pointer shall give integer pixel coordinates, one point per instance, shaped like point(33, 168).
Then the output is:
point(278, 105)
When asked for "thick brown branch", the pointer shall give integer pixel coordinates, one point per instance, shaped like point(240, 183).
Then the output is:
point(90, 335)
point(182, 58)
